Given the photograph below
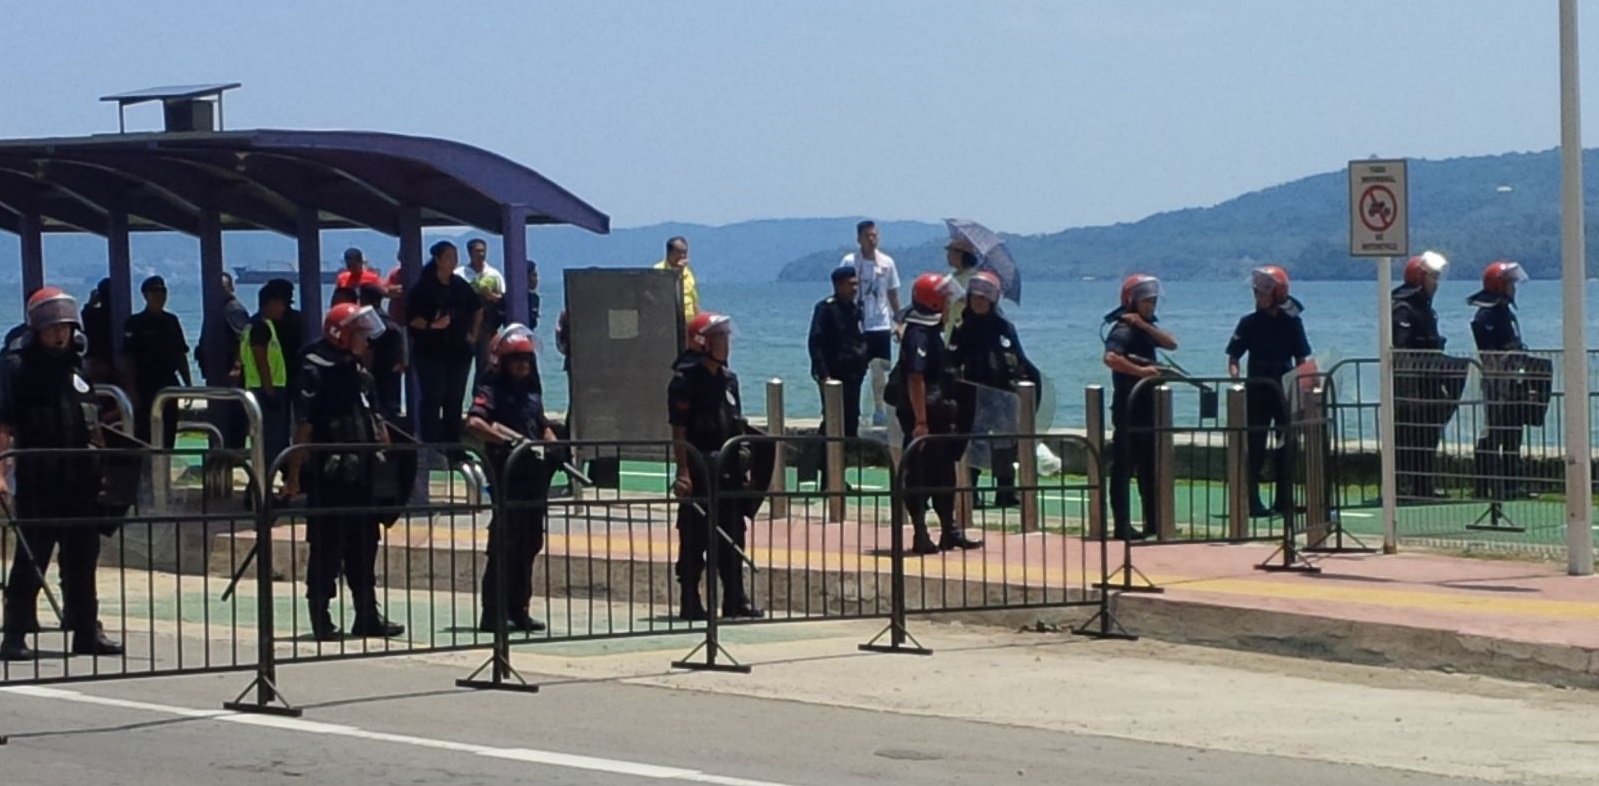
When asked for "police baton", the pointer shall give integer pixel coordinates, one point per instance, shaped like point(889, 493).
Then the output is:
point(729, 538)
point(33, 562)
point(513, 436)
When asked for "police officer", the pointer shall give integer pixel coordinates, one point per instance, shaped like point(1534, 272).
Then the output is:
point(1130, 355)
point(922, 385)
point(390, 355)
point(507, 410)
point(987, 352)
point(838, 348)
point(49, 403)
point(1273, 336)
point(1499, 347)
point(705, 411)
point(1418, 418)
point(334, 403)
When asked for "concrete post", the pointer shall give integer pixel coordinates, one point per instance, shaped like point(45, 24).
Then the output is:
point(777, 428)
point(1237, 462)
point(833, 416)
point(1094, 410)
point(1027, 455)
point(1165, 464)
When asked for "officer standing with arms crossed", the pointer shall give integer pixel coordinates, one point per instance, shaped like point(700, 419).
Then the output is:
point(1500, 348)
point(838, 349)
point(48, 403)
point(1418, 418)
point(1274, 339)
point(922, 391)
point(1130, 355)
point(705, 411)
point(508, 410)
point(335, 403)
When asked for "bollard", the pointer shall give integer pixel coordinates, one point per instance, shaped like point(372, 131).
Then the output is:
point(1027, 455)
point(777, 429)
point(833, 417)
point(1094, 410)
point(1165, 465)
point(1237, 463)
point(1314, 424)
point(965, 493)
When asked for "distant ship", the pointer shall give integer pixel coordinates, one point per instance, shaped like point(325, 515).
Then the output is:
point(251, 275)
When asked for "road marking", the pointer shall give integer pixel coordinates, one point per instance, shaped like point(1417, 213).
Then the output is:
point(1357, 515)
point(549, 758)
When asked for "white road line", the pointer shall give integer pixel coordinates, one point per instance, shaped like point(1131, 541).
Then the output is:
point(1358, 515)
point(549, 758)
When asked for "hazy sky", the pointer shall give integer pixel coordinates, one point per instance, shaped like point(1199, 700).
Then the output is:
point(1030, 115)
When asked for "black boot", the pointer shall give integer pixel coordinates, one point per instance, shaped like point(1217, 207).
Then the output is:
point(322, 627)
point(94, 642)
point(735, 603)
point(15, 647)
point(369, 623)
point(1005, 493)
point(953, 538)
point(689, 607)
point(922, 543)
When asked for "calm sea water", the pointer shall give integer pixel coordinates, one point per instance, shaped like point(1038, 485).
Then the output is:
point(1059, 326)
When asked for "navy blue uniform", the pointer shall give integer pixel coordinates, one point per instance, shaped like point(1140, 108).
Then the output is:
point(1275, 344)
point(986, 351)
point(931, 468)
point(838, 351)
point(1498, 455)
point(1133, 443)
point(523, 487)
point(1421, 406)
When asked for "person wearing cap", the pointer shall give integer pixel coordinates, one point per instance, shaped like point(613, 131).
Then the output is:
point(1501, 351)
point(98, 362)
point(1273, 336)
point(356, 271)
point(1419, 387)
point(49, 404)
point(156, 355)
point(878, 293)
point(489, 284)
point(218, 356)
point(1130, 348)
point(264, 364)
point(838, 349)
point(390, 355)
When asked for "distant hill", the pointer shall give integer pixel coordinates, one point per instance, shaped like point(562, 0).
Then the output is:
point(1457, 207)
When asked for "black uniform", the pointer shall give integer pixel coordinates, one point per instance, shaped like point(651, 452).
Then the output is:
point(838, 351)
point(1275, 344)
point(390, 355)
point(522, 488)
point(707, 406)
point(986, 351)
point(1421, 397)
point(442, 358)
point(154, 341)
point(218, 357)
point(1133, 420)
point(335, 396)
point(931, 469)
point(1499, 346)
point(49, 403)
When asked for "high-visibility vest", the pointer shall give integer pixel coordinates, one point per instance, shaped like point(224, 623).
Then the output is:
point(275, 362)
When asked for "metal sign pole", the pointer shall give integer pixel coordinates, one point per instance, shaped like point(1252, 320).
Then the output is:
point(1385, 408)
point(1573, 266)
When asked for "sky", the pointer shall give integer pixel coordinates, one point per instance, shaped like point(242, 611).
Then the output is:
point(1029, 115)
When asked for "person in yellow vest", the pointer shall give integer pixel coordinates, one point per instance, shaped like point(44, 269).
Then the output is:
point(264, 366)
point(677, 259)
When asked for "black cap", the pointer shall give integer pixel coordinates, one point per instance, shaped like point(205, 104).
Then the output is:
point(843, 273)
point(153, 283)
point(278, 289)
point(371, 294)
point(353, 254)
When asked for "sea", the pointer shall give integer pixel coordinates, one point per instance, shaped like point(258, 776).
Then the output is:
point(1059, 323)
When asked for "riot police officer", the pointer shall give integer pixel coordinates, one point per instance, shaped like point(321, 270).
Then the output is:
point(988, 354)
point(1500, 349)
point(705, 411)
point(1273, 336)
point(1419, 417)
point(922, 392)
point(49, 403)
point(335, 403)
point(1130, 355)
point(507, 410)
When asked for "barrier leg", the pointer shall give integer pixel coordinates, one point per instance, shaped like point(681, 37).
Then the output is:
point(900, 640)
point(269, 699)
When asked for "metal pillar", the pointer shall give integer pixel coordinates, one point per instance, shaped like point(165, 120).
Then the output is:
point(833, 417)
point(308, 233)
point(776, 427)
point(410, 271)
point(210, 263)
point(1027, 455)
point(1573, 275)
point(1165, 465)
point(1237, 462)
point(120, 261)
point(1094, 410)
point(30, 228)
point(513, 237)
point(1387, 455)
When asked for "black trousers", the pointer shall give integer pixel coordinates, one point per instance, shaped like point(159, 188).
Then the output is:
point(1418, 428)
point(1133, 455)
point(516, 536)
point(442, 379)
point(694, 535)
point(852, 412)
point(1267, 416)
point(930, 469)
point(342, 543)
point(80, 555)
point(1498, 456)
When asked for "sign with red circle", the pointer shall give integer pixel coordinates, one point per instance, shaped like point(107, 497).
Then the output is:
point(1378, 209)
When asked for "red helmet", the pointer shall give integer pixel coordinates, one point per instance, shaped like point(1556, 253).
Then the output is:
point(1270, 278)
point(985, 284)
point(1500, 275)
point(513, 339)
point(345, 320)
point(1139, 286)
point(51, 306)
point(1427, 263)
point(933, 291)
point(706, 324)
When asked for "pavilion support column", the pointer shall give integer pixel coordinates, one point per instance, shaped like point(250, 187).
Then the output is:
point(513, 237)
point(308, 231)
point(31, 229)
point(410, 271)
point(210, 262)
point(120, 258)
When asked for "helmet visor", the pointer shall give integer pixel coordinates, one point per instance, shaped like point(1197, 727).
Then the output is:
point(365, 322)
point(1513, 274)
point(1434, 264)
point(514, 339)
point(1145, 288)
point(52, 311)
point(983, 287)
point(950, 289)
point(1262, 281)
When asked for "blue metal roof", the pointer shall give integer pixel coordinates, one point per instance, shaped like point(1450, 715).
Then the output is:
point(172, 93)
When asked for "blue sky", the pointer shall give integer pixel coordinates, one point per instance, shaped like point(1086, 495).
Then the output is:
point(1030, 115)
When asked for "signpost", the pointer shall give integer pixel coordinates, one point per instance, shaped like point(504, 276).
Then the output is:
point(1379, 226)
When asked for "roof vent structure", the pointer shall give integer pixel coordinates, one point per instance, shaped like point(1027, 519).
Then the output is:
point(187, 108)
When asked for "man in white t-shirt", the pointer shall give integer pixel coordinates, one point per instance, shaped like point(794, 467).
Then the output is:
point(878, 296)
point(490, 287)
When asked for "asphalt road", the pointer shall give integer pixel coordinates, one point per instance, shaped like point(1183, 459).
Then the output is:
point(402, 723)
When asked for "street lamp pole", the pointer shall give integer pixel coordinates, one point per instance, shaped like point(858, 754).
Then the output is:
point(1574, 282)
